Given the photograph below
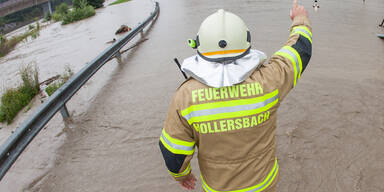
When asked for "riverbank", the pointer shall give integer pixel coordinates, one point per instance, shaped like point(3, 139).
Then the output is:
point(8, 44)
point(58, 46)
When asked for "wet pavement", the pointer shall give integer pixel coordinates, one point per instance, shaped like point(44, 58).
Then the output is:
point(330, 127)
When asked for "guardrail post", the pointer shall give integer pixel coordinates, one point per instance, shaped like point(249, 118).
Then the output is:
point(64, 112)
point(118, 56)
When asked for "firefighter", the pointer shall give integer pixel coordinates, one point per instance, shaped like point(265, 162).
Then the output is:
point(227, 109)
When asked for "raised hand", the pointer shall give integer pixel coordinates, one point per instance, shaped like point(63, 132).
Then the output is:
point(297, 10)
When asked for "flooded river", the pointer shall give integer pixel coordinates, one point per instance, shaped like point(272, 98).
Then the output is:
point(52, 51)
point(330, 128)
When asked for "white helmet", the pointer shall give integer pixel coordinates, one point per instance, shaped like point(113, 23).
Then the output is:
point(222, 36)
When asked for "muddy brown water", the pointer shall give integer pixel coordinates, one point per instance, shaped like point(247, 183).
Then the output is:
point(330, 128)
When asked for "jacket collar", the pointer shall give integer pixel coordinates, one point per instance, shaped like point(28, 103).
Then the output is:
point(229, 73)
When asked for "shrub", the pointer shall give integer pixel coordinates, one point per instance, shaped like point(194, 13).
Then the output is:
point(53, 87)
point(2, 115)
point(78, 14)
point(79, 4)
point(62, 9)
point(96, 3)
point(81, 10)
point(57, 17)
point(48, 17)
point(3, 39)
point(36, 32)
point(30, 27)
point(37, 25)
point(3, 21)
point(11, 103)
point(14, 100)
point(30, 77)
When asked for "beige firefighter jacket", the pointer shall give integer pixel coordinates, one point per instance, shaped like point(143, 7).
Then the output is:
point(234, 127)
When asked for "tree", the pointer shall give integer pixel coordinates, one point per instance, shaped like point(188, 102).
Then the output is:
point(62, 9)
point(3, 21)
point(96, 3)
point(79, 4)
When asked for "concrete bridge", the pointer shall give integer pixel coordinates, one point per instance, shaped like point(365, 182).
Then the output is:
point(12, 6)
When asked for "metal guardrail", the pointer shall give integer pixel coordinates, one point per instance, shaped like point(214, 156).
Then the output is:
point(18, 141)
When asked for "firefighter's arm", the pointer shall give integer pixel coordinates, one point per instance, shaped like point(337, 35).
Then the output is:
point(292, 59)
point(177, 143)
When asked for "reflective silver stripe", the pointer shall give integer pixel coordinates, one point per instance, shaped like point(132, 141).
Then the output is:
point(229, 109)
point(242, 190)
point(266, 183)
point(205, 187)
point(176, 146)
point(302, 30)
point(295, 58)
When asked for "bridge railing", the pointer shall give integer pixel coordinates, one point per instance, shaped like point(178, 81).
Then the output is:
point(18, 141)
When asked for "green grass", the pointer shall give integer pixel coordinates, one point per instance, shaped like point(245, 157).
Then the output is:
point(118, 2)
point(57, 17)
point(14, 100)
point(47, 17)
point(7, 45)
point(53, 87)
point(56, 85)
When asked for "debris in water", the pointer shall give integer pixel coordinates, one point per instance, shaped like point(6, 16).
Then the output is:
point(113, 40)
point(50, 80)
point(123, 29)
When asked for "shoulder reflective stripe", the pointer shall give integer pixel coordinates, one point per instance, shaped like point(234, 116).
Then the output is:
point(184, 173)
point(257, 188)
point(299, 65)
point(177, 146)
point(304, 31)
point(232, 109)
point(294, 57)
point(293, 61)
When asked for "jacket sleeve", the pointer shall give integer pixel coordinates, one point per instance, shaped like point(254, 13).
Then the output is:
point(177, 143)
point(291, 60)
